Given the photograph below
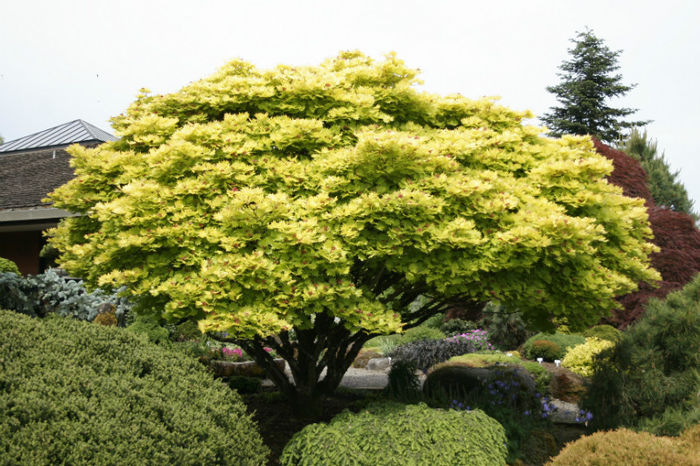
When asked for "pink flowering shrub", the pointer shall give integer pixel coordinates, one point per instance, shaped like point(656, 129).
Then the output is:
point(478, 340)
point(237, 355)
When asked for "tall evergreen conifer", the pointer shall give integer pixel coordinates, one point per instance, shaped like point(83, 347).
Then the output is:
point(587, 82)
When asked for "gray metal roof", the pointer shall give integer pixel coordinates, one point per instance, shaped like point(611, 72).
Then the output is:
point(61, 135)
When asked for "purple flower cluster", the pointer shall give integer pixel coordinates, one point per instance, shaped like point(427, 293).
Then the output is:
point(584, 416)
point(459, 406)
point(547, 407)
point(478, 339)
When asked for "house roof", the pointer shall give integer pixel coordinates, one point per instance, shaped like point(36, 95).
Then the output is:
point(27, 177)
point(76, 131)
point(33, 166)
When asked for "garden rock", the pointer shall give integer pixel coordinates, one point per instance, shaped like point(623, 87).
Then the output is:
point(566, 385)
point(464, 379)
point(379, 364)
point(565, 413)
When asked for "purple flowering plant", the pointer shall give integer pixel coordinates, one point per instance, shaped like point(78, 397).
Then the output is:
point(479, 340)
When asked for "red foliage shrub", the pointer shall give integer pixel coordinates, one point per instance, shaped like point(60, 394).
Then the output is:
point(675, 233)
point(627, 173)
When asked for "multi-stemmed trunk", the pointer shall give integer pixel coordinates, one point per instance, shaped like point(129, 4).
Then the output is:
point(318, 358)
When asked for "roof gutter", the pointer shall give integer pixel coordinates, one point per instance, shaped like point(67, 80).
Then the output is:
point(29, 215)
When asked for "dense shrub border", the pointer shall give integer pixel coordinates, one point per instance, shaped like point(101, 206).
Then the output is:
point(72, 392)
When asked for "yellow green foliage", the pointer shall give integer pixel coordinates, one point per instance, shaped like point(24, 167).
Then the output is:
point(579, 359)
point(631, 448)
point(253, 200)
point(394, 434)
point(7, 266)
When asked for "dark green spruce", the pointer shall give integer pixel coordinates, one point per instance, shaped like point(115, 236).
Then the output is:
point(588, 81)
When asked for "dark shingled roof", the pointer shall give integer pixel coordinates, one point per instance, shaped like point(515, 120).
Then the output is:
point(33, 166)
point(61, 135)
point(27, 177)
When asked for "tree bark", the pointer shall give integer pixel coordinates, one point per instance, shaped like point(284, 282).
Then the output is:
point(318, 358)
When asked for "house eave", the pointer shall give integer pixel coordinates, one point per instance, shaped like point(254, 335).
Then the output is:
point(33, 215)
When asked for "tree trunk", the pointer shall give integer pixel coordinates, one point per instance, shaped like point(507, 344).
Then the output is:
point(317, 358)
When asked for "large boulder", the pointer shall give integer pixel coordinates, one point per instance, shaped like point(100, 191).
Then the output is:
point(464, 381)
point(566, 385)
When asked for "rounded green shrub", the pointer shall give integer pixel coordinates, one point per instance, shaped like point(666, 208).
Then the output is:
point(76, 393)
point(654, 367)
point(673, 421)
point(625, 447)
point(564, 340)
point(7, 266)
point(604, 332)
point(396, 434)
point(545, 349)
point(580, 359)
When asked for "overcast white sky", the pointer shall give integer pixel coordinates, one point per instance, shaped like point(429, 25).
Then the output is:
point(63, 60)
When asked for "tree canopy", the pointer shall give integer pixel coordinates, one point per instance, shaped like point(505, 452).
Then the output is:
point(305, 208)
point(587, 82)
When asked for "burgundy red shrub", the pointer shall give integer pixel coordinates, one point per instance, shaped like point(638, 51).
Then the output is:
point(675, 233)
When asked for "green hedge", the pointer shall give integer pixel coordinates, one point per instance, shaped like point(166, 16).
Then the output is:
point(72, 392)
point(396, 434)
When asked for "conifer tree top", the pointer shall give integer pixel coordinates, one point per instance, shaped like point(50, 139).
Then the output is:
point(588, 81)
